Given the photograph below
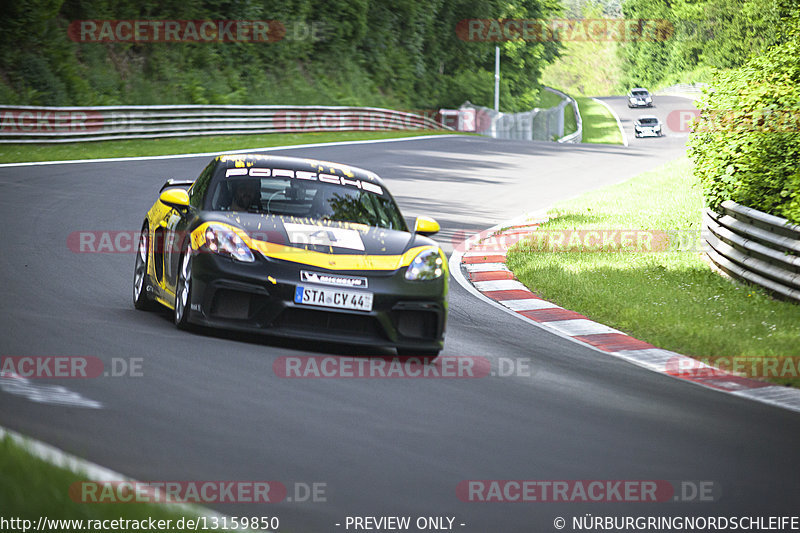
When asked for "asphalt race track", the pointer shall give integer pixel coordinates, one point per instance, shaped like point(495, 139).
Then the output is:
point(210, 407)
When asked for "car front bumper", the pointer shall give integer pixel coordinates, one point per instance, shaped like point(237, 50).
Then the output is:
point(647, 132)
point(259, 297)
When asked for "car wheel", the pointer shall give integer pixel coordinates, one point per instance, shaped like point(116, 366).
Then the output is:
point(141, 298)
point(183, 289)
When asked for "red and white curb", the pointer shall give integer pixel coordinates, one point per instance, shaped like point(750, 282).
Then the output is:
point(478, 265)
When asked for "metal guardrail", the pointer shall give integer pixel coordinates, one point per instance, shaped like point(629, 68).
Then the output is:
point(756, 247)
point(577, 136)
point(535, 125)
point(39, 124)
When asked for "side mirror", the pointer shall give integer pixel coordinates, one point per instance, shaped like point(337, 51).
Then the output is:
point(175, 198)
point(426, 226)
point(171, 182)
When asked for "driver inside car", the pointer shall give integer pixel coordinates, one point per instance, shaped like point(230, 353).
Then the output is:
point(245, 193)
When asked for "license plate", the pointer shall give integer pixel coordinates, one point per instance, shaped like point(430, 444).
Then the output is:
point(337, 298)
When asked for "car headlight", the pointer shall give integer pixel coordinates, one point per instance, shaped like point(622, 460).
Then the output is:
point(632, 99)
point(224, 241)
point(428, 265)
point(648, 99)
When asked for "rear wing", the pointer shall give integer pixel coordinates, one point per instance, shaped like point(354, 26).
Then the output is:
point(176, 183)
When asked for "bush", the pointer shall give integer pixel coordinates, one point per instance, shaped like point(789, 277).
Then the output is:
point(403, 54)
point(746, 142)
point(699, 34)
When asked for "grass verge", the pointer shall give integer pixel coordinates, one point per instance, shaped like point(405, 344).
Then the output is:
point(22, 152)
point(31, 488)
point(670, 298)
point(570, 124)
point(547, 99)
point(599, 125)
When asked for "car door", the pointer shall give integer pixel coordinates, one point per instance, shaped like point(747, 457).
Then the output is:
point(173, 242)
point(178, 224)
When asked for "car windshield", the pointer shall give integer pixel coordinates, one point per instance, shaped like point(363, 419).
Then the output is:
point(639, 93)
point(304, 197)
point(648, 121)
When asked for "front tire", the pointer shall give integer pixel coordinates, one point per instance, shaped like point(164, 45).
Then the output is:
point(141, 297)
point(183, 289)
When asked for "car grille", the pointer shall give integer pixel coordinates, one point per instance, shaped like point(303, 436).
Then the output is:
point(312, 320)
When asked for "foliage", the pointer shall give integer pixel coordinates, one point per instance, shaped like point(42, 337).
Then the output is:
point(404, 53)
point(746, 142)
point(569, 72)
point(705, 33)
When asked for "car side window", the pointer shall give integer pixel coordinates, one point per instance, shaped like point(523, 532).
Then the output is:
point(198, 190)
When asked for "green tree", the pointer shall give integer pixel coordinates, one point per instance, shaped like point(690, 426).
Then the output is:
point(371, 52)
point(706, 34)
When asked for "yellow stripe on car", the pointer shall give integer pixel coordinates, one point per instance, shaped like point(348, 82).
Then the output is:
point(313, 258)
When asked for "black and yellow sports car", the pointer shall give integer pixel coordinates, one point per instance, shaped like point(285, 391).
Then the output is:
point(293, 247)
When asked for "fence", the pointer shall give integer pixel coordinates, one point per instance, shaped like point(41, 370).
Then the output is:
point(577, 135)
point(535, 125)
point(756, 247)
point(38, 124)
point(685, 88)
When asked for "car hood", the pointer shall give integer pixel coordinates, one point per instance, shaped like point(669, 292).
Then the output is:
point(271, 233)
